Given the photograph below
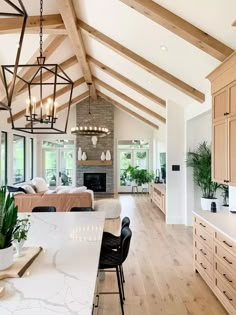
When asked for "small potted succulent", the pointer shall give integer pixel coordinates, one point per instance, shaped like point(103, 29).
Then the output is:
point(20, 234)
point(8, 219)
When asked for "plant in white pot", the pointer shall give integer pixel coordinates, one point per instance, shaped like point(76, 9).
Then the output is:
point(20, 234)
point(8, 218)
point(200, 161)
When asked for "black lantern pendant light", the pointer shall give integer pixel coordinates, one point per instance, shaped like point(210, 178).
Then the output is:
point(89, 128)
point(17, 10)
point(46, 84)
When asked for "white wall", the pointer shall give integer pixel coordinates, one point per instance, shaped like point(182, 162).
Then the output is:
point(175, 194)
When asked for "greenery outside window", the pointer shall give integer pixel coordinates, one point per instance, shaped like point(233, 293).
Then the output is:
point(18, 159)
point(31, 157)
point(3, 158)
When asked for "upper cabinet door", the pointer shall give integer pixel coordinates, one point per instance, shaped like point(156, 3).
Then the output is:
point(220, 152)
point(232, 150)
point(232, 99)
point(220, 105)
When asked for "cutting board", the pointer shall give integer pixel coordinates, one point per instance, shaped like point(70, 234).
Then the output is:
point(21, 264)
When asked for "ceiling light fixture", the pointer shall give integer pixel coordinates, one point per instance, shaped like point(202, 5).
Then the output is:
point(90, 129)
point(43, 88)
point(17, 10)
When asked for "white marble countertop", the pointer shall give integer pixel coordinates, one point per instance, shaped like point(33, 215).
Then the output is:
point(62, 279)
point(223, 221)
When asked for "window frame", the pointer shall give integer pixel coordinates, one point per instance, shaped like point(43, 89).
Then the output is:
point(31, 145)
point(6, 154)
point(24, 164)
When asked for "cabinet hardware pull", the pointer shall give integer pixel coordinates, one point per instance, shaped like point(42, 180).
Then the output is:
point(203, 266)
point(226, 113)
point(97, 296)
point(229, 262)
point(202, 225)
point(227, 296)
point(204, 239)
point(227, 278)
point(201, 250)
point(227, 244)
point(226, 181)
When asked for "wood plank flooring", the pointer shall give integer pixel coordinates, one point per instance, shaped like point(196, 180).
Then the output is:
point(159, 275)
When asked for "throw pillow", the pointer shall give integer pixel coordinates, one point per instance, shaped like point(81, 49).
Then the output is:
point(78, 190)
point(12, 189)
point(29, 189)
point(64, 191)
point(40, 184)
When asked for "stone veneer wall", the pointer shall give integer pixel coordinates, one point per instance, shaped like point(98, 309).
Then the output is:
point(103, 114)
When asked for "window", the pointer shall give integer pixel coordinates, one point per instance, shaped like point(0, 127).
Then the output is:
point(18, 159)
point(3, 158)
point(31, 158)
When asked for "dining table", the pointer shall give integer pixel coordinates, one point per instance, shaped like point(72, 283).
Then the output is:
point(62, 279)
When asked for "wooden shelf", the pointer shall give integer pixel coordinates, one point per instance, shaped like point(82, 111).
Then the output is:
point(95, 162)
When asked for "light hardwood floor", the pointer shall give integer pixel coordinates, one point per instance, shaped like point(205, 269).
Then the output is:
point(159, 275)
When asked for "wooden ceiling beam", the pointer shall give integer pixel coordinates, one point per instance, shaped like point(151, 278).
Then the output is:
point(181, 27)
point(47, 75)
point(58, 94)
point(65, 105)
point(67, 11)
point(145, 64)
point(9, 25)
point(127, 82)
point(129, 100)
point(127, 110)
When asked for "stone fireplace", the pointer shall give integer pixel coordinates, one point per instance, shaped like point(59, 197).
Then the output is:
point(90, 175)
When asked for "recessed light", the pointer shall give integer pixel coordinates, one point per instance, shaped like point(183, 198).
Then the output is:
point(163, 48)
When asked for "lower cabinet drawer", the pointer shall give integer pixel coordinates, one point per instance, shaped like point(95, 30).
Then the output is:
point(225, 256)
point(228, 293)
point(204, 250)
point(203, 236)
point(206, 266)
point(229, 276)
point(225, 242)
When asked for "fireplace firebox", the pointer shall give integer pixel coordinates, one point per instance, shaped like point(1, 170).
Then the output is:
point(95, 181)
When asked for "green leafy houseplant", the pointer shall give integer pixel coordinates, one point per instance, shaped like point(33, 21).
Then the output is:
point(200, 161)
point(140, 176)
point(21, 229)
point(8, 218)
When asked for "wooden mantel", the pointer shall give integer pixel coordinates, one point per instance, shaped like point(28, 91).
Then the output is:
point(95, 162)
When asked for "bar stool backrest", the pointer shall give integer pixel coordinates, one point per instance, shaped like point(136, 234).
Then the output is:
point(126, 235)
point(44, 209)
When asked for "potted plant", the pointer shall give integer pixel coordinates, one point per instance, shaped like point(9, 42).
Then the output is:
point(225, 195)
point(141, 176)
point(200, 161)
point(8, 218)
point(20, 234)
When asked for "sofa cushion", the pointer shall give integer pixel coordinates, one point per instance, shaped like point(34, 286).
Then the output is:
point(77, 190)
point(28, 189)
point(40, 184)
point(64, 190)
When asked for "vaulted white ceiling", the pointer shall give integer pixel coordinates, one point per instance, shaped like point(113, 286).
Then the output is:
point(142, 36)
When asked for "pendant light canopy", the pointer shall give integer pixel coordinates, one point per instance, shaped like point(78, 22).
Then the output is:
point(9, 9)
point(89, 127)
point(43, 86)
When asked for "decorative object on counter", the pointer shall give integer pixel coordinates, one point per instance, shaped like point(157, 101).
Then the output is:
point(79, 154)
point(213, 206)
point(8, 219)
point(108, 155)
point(20, 234)
point(225, 195)
point(94, 141)
point(84, 156)
point(103, 156)
point(200, 161)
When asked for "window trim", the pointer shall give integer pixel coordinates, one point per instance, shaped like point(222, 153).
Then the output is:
point(6, 154)
point(32, 157)
point(24, 173)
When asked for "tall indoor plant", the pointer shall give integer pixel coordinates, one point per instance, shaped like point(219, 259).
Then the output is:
point(8, 219)
point(200, 161)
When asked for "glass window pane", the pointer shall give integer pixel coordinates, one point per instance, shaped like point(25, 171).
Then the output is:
point(31, 157)
point(50, 165)
point(141, 159)
point(3, 158)
point(18, 159)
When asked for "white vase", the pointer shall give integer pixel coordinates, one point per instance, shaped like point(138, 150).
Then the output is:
point(103, 156)
point(6, 257)
point(206, 203)
point(18, 247)
point(108, 155)
point(84, 156)
point(79, 154)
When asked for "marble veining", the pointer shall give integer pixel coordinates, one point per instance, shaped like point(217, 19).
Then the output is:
point(63, 277)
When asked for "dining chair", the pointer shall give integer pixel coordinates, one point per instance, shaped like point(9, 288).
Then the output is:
point(81, 209)
point(110, 259)
point(44, 209)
